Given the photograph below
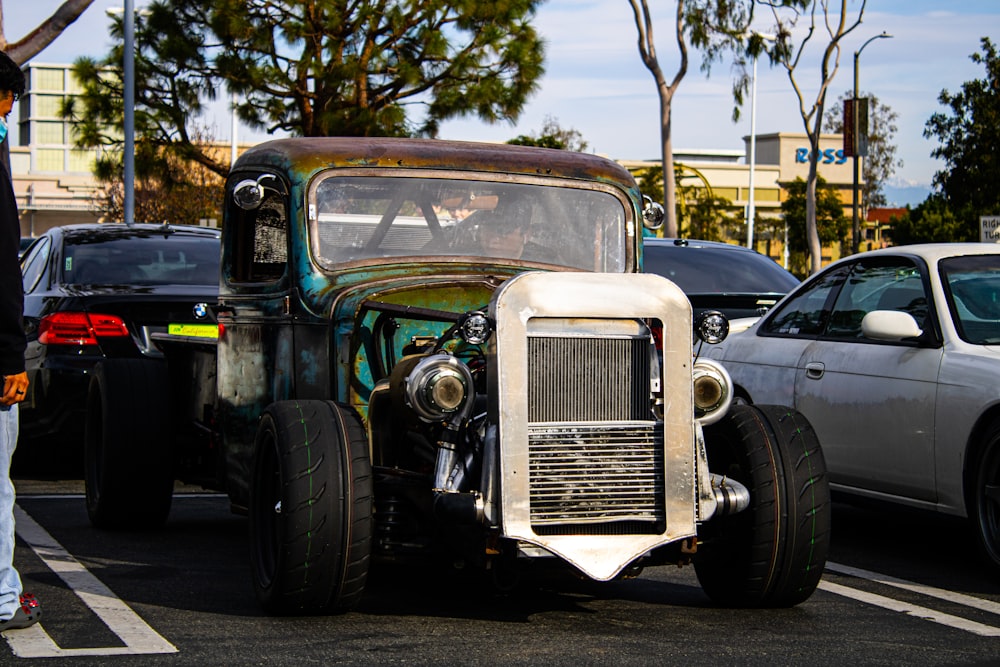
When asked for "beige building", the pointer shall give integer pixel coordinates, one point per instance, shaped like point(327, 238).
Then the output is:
point(52, 179)
point(780, 159)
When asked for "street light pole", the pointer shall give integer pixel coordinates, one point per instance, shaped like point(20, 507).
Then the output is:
point(855, 222)
point(751, 211)
point(129, 71)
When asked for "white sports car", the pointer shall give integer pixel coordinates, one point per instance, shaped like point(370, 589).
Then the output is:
point(894, 357)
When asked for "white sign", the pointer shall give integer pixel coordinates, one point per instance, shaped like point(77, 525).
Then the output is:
point(989, 228)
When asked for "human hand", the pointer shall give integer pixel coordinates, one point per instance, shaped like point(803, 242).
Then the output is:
point(15, 387)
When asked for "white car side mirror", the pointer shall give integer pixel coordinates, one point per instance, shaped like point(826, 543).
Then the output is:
point(889, 325)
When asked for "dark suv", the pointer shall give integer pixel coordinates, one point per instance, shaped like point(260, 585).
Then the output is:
point(734, 280)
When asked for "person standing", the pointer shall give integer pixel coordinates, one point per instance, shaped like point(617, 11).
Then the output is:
point(17, 609)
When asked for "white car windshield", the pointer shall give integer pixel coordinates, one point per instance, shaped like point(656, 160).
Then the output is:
point(973, 286)
point(356, 218)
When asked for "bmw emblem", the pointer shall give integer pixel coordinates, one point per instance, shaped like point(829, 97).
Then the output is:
point(200, 310)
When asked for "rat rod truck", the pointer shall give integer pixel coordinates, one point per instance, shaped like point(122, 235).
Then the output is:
point(447, 350)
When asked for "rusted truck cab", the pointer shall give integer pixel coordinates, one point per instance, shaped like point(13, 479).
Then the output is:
point(448, 351)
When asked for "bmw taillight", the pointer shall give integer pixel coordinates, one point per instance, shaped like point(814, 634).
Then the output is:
point(657, 330)
point(79, 328)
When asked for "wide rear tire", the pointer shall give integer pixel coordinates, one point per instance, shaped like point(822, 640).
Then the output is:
point(127, 464)
point(773, 553)
point(310, 508)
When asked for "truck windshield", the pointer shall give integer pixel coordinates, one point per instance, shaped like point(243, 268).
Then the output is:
point(354, 218)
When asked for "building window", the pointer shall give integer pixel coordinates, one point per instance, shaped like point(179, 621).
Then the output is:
point(49, 79)
point(49, 133)
point(49, 159)
point(82, 160)
point(48, 105)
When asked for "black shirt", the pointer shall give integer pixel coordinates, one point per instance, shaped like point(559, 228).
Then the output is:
point(12, 340)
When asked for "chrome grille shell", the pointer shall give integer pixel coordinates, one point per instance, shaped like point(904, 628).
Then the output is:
point(586, 469)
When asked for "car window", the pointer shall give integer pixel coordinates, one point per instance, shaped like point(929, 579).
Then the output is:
point(972, 285)
point(143, 259)
point(877, 284)
point(806, 313)
point(259, 252)
point(33, 264)
point(707, 269)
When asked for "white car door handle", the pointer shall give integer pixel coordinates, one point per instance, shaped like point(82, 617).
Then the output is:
point(814, 370)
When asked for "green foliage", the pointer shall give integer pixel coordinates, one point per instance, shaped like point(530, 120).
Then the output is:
point(315, 68)
point(831, 224)
point(932, 221)
point(706, 216)
point(651, 183)
point(969, 136)
point(881, 162)
point(553, 136)
point(701, 214)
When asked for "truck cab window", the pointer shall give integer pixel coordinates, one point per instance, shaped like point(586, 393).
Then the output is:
point(260, 244)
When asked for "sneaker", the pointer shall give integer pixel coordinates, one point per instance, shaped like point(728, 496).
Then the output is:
point(26, 615)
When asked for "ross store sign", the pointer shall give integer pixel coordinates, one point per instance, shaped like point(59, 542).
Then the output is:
point(829, 156)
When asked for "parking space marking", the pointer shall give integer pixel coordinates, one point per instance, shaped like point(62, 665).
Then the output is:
point(929, 591)
point(139, 638)
point(918, 611)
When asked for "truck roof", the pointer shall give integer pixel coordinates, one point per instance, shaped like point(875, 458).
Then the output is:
point(309, 154)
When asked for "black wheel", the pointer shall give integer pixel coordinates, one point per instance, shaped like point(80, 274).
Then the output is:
point(771, 554)
point(310, 508)
point(127, 465)
point(984, 495)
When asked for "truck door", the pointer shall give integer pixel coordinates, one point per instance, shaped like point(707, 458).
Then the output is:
point(255, 349)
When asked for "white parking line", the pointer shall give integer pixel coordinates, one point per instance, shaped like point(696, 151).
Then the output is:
point(34, 642)
point(925, 613)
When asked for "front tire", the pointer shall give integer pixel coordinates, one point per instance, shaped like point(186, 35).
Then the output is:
point(771, 554)
point(127, 465)
point(310, 508)
point(984, 501)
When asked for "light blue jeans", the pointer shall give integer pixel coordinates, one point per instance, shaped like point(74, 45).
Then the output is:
point(10, 581)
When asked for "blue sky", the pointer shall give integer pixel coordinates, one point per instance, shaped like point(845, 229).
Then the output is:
point(596, 83)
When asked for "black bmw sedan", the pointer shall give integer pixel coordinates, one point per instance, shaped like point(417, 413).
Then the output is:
point(97, 291)
point(735, 280)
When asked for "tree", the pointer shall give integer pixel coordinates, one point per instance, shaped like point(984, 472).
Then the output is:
point(881, 162)
point(932, 221)
point(553, 136)
point(823, 15)
point(707, 216)
point(831, 225)
point(176, 191)
point(26, 48)
point(665, 91)
point(319, 68)
point(969, 136)
point(714, 26)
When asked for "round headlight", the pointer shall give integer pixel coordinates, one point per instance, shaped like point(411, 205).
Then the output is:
point(713, 390)
point(475, 328)
point(708, 392)
point(438, 387)
point(712, 327)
